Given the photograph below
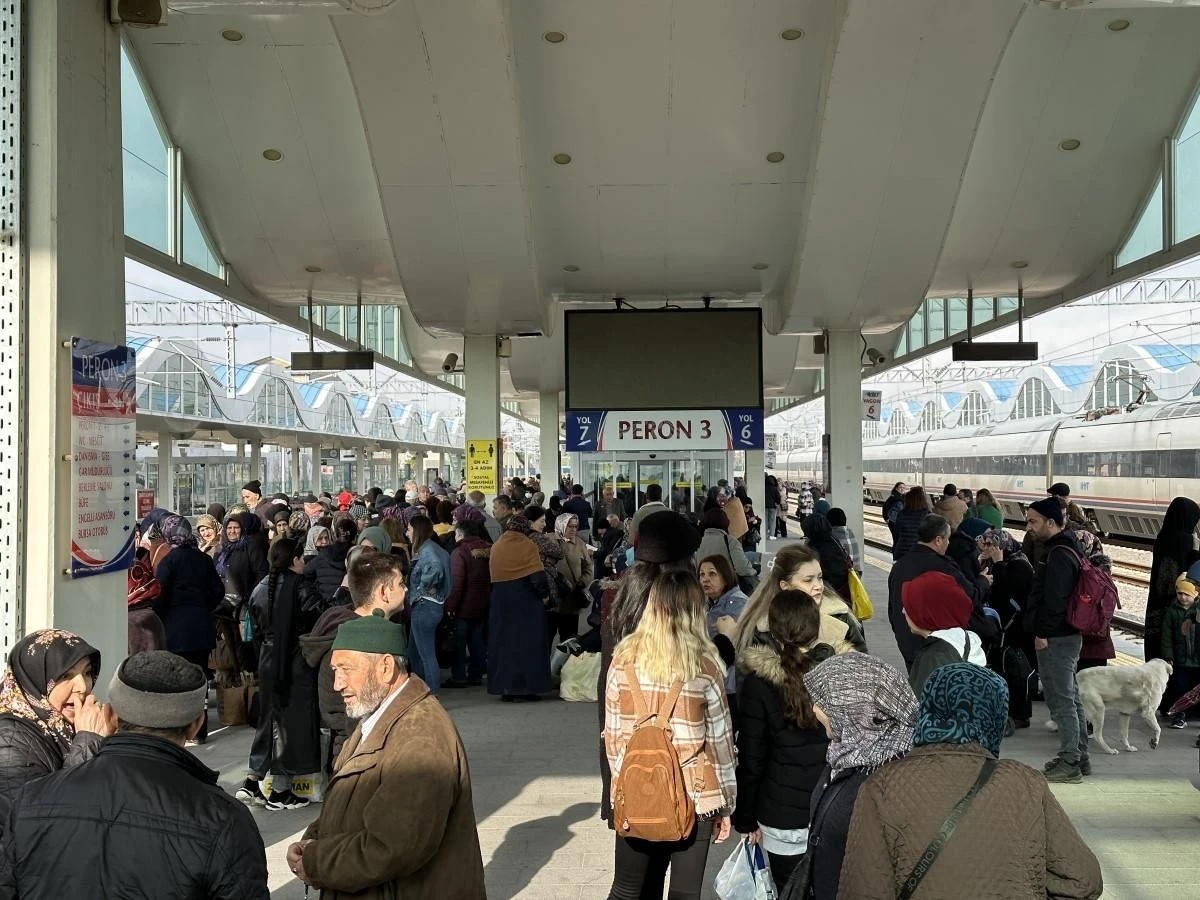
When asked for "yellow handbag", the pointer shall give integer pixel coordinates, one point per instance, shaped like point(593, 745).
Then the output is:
point(860, 600)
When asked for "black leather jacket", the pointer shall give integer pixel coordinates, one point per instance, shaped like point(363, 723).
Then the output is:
point(144, 818)
point(26, 754)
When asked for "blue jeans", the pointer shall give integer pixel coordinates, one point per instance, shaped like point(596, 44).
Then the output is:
point(1056, 668)
point(422, 642)
point(772, 520)
point(468, 635)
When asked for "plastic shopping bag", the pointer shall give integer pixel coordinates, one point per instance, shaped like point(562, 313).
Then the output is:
point(745, 875)
point(579, 678)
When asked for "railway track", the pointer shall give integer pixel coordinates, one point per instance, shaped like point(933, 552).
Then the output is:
point(1124, 572)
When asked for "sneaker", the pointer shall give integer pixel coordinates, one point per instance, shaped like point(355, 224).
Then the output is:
point(1062, 772)
point(251, 793)
point(1085, 766)
point(1179, 722)
point(286, 800)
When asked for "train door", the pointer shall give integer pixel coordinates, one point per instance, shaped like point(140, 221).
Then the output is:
point(1161, 476)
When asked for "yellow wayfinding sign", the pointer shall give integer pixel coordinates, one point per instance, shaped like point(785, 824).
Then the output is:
point(483, 462)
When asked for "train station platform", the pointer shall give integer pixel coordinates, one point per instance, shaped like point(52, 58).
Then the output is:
point(537, 789)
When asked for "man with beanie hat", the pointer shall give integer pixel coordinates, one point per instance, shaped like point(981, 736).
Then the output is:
point(144, 817)
point(939, 610)
point(398, 820)
point(928, 555)
point(1057, 644)
point(1074, 515)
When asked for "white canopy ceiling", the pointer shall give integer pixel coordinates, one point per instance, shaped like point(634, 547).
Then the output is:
point(920, 146)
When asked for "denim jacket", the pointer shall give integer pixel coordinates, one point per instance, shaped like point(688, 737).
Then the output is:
point(429, 576)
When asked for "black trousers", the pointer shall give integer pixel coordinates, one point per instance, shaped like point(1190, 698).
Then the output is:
point(782, 868)
point(640, 867)
point(560, 626)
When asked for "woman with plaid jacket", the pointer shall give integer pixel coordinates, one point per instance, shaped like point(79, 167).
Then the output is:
point(671, 644)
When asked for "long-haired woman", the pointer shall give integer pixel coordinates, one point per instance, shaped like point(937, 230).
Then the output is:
point(913, 510)
point(670, 645)
point(781, 745)
point(798, 568)
point(428, 588)
point(286, 738)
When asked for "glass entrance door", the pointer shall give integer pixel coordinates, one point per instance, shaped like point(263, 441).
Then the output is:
point(651, 472)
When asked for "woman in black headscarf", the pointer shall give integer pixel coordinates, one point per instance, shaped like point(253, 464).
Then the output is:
point(190, 592)
point(835, 563)
point(49, 719)
point(1175, 549)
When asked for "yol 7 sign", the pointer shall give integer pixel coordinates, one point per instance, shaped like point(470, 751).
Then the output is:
point(662, 430)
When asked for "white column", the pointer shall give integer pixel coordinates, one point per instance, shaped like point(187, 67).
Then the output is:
point(548, 440)
point(366, 466)
point(294, 487)
point(481, 368)
point(843, 423)
point(256, 470)
point(166, 472)
point(314, 473)
point(75, 284)
point(419, 467)
point(394, 472)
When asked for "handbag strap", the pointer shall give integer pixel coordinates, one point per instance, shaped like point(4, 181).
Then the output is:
point(938, 844)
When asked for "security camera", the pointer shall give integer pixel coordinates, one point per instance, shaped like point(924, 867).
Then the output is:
point(449, 362)
point(875, 356)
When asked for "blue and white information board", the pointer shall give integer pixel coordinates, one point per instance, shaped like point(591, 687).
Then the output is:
point(600, 430)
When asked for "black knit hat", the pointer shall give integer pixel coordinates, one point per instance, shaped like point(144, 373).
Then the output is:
point(1050, 508)
point(664, 537)
point(1058, 489)
point(254, 487)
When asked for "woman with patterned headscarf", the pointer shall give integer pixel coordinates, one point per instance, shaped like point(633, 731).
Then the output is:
point(190, 592)
point(868, 710)
point(1012, 580)
point(574, 575)
point(49, 719)
point(1012, 839)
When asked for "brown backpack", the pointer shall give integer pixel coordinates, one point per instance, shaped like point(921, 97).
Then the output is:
point(651, 799)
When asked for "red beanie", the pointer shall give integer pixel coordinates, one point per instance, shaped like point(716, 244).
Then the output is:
point(344, 499)
point(935, 601)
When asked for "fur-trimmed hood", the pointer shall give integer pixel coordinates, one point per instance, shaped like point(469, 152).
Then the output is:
point(763, 661)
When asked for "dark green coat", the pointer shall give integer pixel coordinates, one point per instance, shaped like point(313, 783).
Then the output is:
point(1181, 649)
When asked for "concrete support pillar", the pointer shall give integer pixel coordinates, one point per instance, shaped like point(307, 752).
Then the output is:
point(548, 414)
point(843, 423)
point(314, 472)
point(481, 368)
point(294, 486)
point(366, 468)
point(256, 469)
point(419, 459)
point(166, 472)
point(239, 449)
point(74, 241)
point(756, 483)
point(394, 478)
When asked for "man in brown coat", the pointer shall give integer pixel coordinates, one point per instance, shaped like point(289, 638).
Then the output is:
point(398, 821)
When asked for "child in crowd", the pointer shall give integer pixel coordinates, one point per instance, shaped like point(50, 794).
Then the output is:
point(1180, 646)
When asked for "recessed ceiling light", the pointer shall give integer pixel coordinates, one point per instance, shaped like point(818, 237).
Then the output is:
point(232, 35)
point(758, 267)
point(1069, 144)
point(791, 34)
point(774, 157)
point(1019, 264)
point(272, 154)
point(554, 37)
point(562, 159)
point(570, 268)
point(1118, 25)
point(312, 270)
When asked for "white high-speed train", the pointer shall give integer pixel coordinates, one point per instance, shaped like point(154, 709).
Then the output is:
point(1123, 468)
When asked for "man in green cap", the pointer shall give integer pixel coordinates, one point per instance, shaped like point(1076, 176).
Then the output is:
point(398, 819)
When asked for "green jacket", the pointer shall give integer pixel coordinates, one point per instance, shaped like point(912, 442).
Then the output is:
point(1181, 649)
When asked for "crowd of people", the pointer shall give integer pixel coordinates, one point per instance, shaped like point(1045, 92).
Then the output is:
point(730, 697)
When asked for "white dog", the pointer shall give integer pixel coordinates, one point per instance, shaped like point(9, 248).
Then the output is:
point(1128, 690)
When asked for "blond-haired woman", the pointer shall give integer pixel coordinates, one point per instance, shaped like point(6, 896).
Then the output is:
point(797, 568)
point(671, 645)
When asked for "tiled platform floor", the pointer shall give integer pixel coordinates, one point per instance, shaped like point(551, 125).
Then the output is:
point(537, 790)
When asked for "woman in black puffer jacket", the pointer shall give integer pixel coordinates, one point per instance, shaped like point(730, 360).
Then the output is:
point(781, 745)
point(328, 568)
point(835, 562)
point(912, 514)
